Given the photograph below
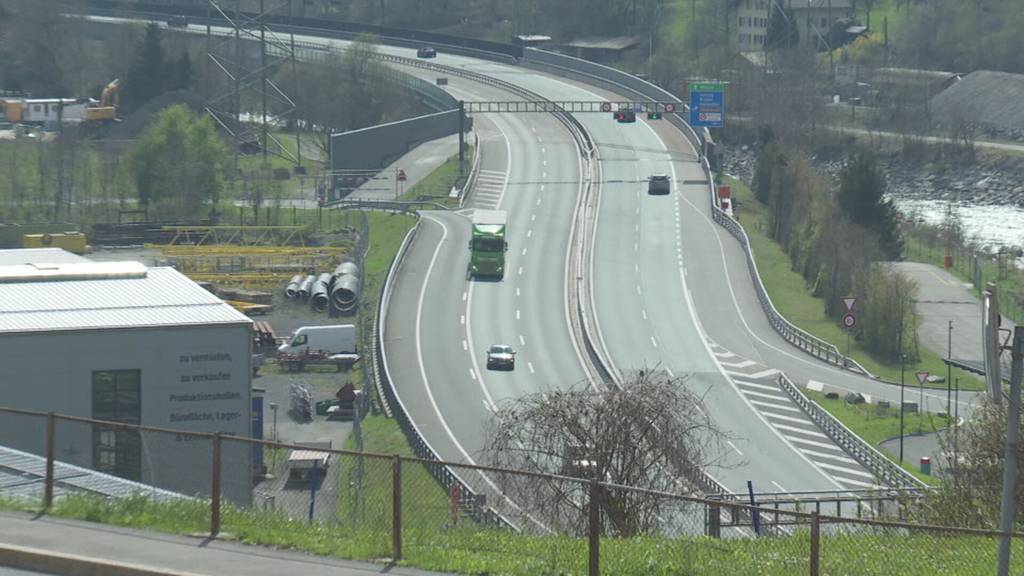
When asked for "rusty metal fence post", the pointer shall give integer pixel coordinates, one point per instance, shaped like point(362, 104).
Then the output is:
point(714, 521)
point(51, 442)
point(396, 509)
point(215, 488)
point(815, 558)
point(594, 529)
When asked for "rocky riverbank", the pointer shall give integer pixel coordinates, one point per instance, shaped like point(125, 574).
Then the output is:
point(987, 192)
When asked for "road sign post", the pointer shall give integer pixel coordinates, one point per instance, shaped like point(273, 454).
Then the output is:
point(849, 321)
point(922, 378)
point(707, 104)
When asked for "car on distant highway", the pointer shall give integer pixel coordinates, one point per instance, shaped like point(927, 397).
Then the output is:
point(177, 21)
point(426, 52)
point(501, 356)
point(658, 184)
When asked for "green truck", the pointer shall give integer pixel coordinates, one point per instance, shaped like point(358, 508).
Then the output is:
point(487, 248)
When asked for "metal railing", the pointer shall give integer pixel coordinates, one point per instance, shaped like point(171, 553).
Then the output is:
point(377, 505)
point(884, 469)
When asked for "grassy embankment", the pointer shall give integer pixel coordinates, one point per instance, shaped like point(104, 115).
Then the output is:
point(791, 297)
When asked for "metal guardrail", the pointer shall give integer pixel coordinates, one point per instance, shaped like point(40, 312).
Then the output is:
point(420, 446)
point(809, 343)
point(883, 468)
point(618, 79)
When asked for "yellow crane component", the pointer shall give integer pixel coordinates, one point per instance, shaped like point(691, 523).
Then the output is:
point(110, 99)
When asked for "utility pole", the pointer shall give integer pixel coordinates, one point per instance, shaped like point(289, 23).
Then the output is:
point(903, 361)
point(1009, 502)
point(949, 371)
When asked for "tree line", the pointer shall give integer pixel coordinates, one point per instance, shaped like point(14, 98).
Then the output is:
point(839, 237)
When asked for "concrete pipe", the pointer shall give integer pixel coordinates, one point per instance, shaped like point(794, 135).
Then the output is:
point(348, 268)
point(306, 287)
point(345, 292)
point(292, 289)
point(319, 297)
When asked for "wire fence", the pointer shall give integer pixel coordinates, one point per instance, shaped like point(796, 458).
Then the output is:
point(353, 504)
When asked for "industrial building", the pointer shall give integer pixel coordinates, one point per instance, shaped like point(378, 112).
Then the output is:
point(123, 342)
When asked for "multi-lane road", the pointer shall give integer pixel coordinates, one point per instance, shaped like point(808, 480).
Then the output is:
point(670, 290)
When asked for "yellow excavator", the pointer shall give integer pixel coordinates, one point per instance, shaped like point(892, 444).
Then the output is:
point(110, 99)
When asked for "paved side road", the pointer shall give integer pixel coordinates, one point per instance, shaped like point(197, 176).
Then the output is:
point(78, 543)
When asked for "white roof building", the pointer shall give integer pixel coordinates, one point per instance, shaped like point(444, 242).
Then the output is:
point(49, 289)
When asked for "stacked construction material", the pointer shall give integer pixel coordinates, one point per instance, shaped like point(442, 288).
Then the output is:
point(301, 401)
point(345, 288)
point(337, 292)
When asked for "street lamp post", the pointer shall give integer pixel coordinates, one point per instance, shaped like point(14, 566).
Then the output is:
point(949, 370)
point(903, 361)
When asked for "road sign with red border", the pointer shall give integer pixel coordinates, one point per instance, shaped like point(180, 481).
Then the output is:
point(670, 107)
point(849, 320)
point(922, 377)
point(401, 176)
point(849, 301)
point(606, 107)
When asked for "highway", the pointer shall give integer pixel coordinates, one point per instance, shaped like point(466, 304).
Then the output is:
point(671, 290)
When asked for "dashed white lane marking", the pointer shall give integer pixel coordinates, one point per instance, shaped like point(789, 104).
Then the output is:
point(517, 291)
point(733, 446)
point(837, 457)
point(533, 217)
point(463, 296)
point(653, 341)
point(636, 268)
point(517, 314)
point(755, 385)
point(465, 345)
point(524, 251)
point(643, 313)
point(520, 271)
point(543, 174)
point(670, 373)
point(544, 162)
point(539, 139)
point(522, 341)
point(638, 292)
point(541, 189)
point(742, 364)
point(462, 319)
point(799, 440)
point(636, 247)
point(529, 232)
point(802, 421)
point(774, 406)
point(530, 366)
point(796, 430)
point(845, 470)
point(543, 150)
point(472, 374)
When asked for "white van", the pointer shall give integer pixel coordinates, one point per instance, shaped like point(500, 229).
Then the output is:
point(335, 339)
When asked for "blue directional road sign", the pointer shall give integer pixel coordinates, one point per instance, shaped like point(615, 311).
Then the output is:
point(707, 104)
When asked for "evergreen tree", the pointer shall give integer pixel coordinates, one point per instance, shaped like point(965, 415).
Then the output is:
point(862, 200)
point(146, 77)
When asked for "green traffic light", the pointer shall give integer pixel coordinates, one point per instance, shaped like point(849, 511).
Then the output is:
point(654, 115)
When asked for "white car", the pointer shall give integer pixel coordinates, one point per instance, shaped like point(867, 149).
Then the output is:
point(501, 356)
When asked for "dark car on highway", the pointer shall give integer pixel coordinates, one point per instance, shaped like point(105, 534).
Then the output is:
point(426, 52)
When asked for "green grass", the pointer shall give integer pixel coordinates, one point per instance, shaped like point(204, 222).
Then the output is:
point(791, 297)
point(438, 184)
point(469, 549)
point(876, 425)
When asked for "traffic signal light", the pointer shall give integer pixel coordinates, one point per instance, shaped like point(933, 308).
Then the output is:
point(625, 116)
point(654, 115)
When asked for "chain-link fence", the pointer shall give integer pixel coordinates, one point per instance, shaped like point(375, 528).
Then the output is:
point(352, 504)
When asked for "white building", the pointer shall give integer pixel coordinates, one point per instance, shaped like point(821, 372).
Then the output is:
point(119, 341)
point(813, 18)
